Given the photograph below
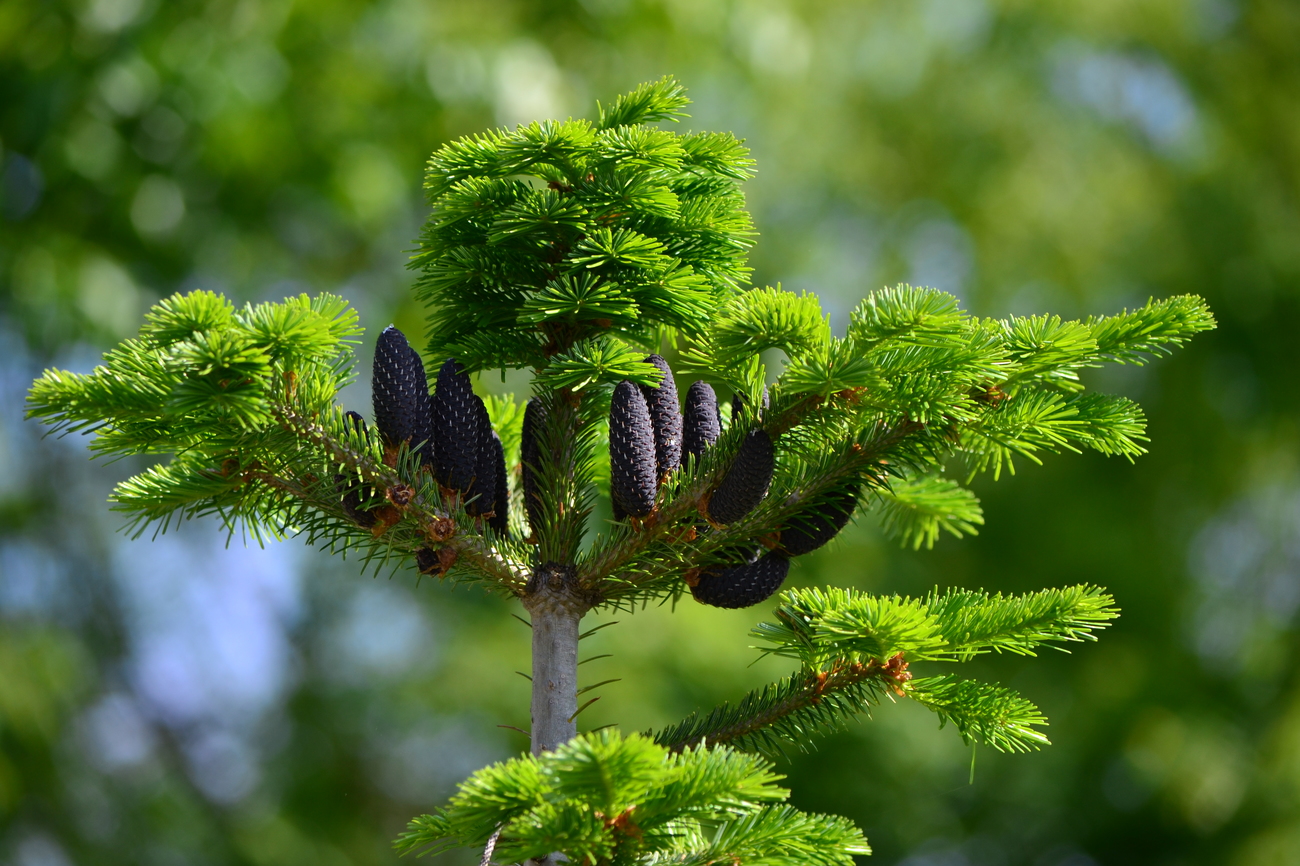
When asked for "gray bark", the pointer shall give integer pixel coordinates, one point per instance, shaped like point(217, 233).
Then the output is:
point(555, 612)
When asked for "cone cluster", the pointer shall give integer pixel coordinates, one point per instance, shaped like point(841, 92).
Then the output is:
point(650, 436)
point(450, 432)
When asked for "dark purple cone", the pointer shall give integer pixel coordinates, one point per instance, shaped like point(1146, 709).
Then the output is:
point(665, 417)
point(633, 479)
point(530, 459)
point(352, 491)
point(738, 404)
point(427, 561)
point(742, 585)
point(701, 427)
point(483, 489)
point(746, 482)
point(809, 530)
point(499, 521)
point(455, 427)
point(400, 393)
point(358, 423)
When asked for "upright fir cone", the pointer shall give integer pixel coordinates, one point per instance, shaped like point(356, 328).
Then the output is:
point(499, 521)
point(633, 479)
point(483, 489)
point(352, 490)
point(742, 585)
point(455, 427)
point(665, 417)
point(401, 394)
point(746, 482)
point(530, 454)
point(809, 530)
point(701, 427)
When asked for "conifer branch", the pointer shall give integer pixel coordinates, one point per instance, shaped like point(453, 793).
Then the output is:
point(973, 622)
point(856, 648)
point(915, 509)
point(982, 712)
point(459, 539)
point(244, 400)
point(792, 710)
point(609, 798)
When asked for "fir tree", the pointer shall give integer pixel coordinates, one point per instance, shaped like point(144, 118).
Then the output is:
point(580, 250)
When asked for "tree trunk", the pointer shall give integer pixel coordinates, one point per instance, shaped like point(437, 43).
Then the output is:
point(555, 612)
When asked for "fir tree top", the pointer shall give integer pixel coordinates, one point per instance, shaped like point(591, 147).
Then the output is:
point(575, 248)
point(559, 232)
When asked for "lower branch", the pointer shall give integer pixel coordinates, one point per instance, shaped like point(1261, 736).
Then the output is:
point(808, 699)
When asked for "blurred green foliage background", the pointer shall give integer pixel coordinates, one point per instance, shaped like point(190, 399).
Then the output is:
point(180, 702)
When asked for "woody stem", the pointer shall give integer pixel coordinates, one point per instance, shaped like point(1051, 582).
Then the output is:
point(556, 606)
point(555, 609)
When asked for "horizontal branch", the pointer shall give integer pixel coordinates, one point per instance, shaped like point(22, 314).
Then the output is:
point(464, 549)
point(849, 686)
